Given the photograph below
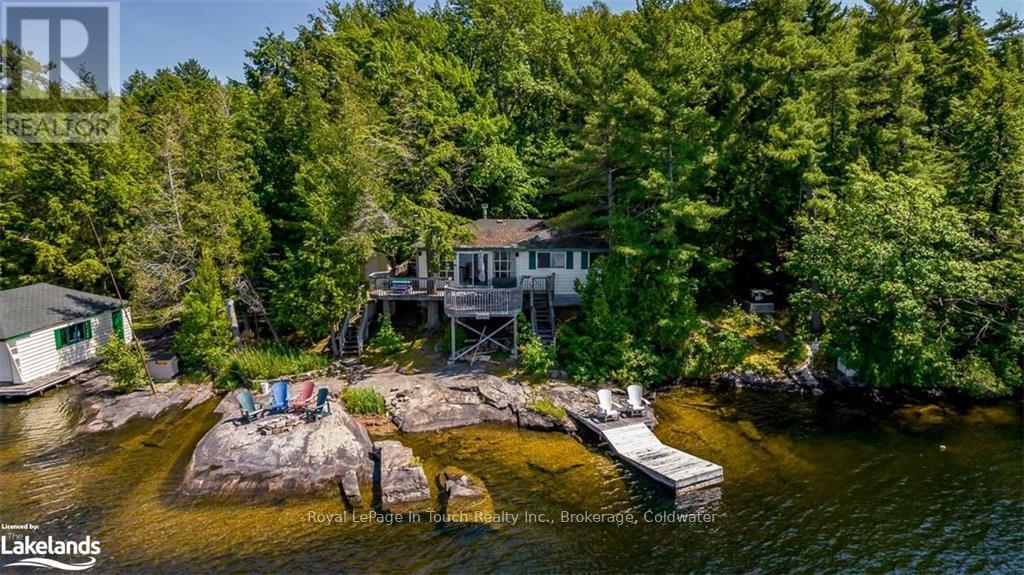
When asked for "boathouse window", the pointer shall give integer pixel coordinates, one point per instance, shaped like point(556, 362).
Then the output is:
point(72, 334)
point(551, 260)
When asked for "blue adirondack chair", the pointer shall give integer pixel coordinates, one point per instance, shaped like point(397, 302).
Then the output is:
point(248, 406)
point(322, 407)
point(279, 397)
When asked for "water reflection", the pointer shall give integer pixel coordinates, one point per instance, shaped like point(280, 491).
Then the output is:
point(801, 493)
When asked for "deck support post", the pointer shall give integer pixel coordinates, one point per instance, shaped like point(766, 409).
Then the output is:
point(515, 337)
point(452, 356)
point(433, 317)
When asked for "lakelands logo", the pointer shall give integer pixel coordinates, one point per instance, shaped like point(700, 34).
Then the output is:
point(35, 550)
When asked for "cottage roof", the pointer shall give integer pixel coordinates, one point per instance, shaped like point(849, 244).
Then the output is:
point(37, 306)
point(528, 234)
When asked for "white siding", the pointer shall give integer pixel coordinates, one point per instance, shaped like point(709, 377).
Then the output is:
point(565, 279)
point(421, 265)
point(37, 355)
point(6, 369)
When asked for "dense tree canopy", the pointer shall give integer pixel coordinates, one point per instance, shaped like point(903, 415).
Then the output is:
point(865, 163)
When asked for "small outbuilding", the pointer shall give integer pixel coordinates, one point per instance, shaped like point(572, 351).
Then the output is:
point(46, 329)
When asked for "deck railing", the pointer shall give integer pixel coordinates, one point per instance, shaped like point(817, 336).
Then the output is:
point(463, 302)
point(539, 283)
point(396, 287)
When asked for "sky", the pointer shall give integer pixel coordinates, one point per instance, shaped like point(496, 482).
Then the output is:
point(160, 33)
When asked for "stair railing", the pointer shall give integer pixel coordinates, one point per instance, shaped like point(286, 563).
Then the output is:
point(339, 342)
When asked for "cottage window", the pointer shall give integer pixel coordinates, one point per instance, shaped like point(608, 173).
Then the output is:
point(72, 334)
point(502, 264)
point(551, 260)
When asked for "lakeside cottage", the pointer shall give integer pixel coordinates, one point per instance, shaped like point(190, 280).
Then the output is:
point(507, 266)
point(49, 332)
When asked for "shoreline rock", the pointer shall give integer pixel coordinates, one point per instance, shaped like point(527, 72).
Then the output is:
point(460, 396)
point(303, 457)
point(104, 409)
point(403, 483)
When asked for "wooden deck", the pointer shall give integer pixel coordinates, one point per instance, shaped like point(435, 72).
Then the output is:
point(633, 442)
point(385, 287)
point(483, 303)
point(41, 384)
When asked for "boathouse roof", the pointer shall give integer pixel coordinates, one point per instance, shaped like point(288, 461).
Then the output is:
point(37, 306)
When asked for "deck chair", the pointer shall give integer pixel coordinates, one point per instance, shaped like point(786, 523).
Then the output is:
point(303, 400)
point(322, 407)
point(279, 397)
point(636, 405)
point(605, 408)
point(250, 410)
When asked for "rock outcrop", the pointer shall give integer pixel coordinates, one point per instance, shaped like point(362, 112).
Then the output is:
point(403, 484)
point(465, 498)
point(295, 456)
point(103, 409)
point(459, 396)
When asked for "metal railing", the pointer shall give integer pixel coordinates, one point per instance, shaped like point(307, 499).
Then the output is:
point(463, 302)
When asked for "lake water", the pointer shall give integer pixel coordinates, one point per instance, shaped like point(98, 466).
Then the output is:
point(810, 486)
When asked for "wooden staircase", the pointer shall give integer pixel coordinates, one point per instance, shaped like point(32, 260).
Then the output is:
point(542, 309)
point(351, 338)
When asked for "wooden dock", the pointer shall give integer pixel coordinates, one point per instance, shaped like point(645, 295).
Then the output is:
point(41, 384)
point(634, 443)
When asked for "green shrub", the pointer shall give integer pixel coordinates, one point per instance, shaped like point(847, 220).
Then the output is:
point(363, 401)
point(446, 340)
point(123, 362)
point(712, 351)
point(546, 407)
point(387, 341)
point(535, 358)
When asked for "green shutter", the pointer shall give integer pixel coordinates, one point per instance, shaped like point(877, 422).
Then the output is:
point(568, 260)
point(88, 330)
point(584, 260)
point(58, 336)
point(117, 320)
point(533, 260)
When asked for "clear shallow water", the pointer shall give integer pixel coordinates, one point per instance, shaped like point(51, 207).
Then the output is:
point(810, 487)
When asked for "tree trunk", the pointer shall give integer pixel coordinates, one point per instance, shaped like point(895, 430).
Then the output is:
point(233, 319)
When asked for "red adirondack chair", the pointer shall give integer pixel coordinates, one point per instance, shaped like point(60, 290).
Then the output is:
point(304, 399)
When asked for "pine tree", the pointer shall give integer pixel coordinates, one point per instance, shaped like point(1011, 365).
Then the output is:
point(204, 339)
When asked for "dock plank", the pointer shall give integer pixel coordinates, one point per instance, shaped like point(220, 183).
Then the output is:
point(635, 443)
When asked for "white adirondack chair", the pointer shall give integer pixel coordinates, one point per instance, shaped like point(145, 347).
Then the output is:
point(637, 405)
point(605, 408)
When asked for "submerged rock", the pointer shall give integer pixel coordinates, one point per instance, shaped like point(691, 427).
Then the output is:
point(296, 456)
point(103, 409)
point(403, 484)
point(466, 499)
point(747, 428)
point(917, 418)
